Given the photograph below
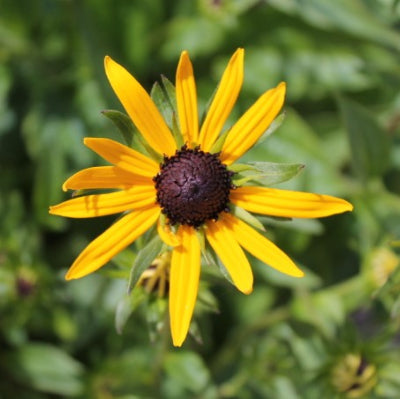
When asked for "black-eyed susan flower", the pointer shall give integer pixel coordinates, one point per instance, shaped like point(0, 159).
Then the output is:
point(353, 376)
point(192, 188)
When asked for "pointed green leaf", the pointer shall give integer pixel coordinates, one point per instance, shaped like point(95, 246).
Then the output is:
point(160, 98)
point(206, 300)
point(170, 93)
point(169, 89)
point(123, 124)
point(272, 127)
point(268, 173)
point(239, 167)
point(247, 217)
point(130, 134)
point(217, 147)
point(369, 143)
point(211, 259)
point(144, 259)
point(165, 100)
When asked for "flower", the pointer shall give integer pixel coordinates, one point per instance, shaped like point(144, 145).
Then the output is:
point(192, 187)
point(353, 376)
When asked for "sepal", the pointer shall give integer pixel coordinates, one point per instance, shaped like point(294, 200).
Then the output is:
point(144, 259)
point(123, 124)
point(164, 98)
point(266, 173)
point(276, 123)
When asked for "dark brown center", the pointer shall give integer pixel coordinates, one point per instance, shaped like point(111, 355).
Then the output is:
point(193, 186)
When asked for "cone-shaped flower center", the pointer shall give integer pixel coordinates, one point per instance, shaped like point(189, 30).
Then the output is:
point(193, 186)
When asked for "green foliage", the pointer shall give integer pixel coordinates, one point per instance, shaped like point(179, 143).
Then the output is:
point(291, 338)
point(267, 173)
point(47, 368)
point(144, 259)
point(369, 143)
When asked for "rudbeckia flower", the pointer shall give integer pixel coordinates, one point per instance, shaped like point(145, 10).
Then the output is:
point(192, 189)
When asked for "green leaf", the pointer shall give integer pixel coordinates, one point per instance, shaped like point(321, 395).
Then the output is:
point(353, 17)
point(187, 372)
point(165, 99)
point(217, 147)
point(170, 92)
point(206, 300)
point(126, 306)
point(199, 35)
point(52, 143)
point(163, 103)
point(144, 259)
point(156, 317)
point(240, 167)
point(269, 173)
point(47, 368)
point(123, 123)
point(368, 141)
point(272, 127)
point(247, 217)
point(211, 259)
point(130, 134)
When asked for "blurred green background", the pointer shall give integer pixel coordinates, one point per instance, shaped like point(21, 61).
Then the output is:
point(333, 334)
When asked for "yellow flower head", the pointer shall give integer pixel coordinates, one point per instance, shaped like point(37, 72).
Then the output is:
point(192, 187)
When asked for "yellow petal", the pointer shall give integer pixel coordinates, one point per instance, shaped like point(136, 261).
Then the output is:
point(113, 240)
point(255, 121)
point(103, 177)
point(184, 283)
point(122, 156)
point(140, 108)
point(167, 235)
point(186, 99)
point(232, 256)
point(261, 247)
point(286, 203)
point(223, 101)
point(95, 205)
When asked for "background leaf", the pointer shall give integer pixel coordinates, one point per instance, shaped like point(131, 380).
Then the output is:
point(48, 369)
point(369, 143)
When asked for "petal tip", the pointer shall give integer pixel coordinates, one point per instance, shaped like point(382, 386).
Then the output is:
point(298, 273)
point(69, 276)
point(74, 274)
point(292, 270)
point(177, 342)
point(239, 51)
point(238, 56)
point(247, 291)
point(348, 206)
point(281, 87)
point(107, 61)
point(245, 287)
point(52, 210)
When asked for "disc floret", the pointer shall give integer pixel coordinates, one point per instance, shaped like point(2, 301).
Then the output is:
point(193, 186)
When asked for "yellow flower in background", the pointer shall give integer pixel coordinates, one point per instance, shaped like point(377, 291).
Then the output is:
point(192, 187)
